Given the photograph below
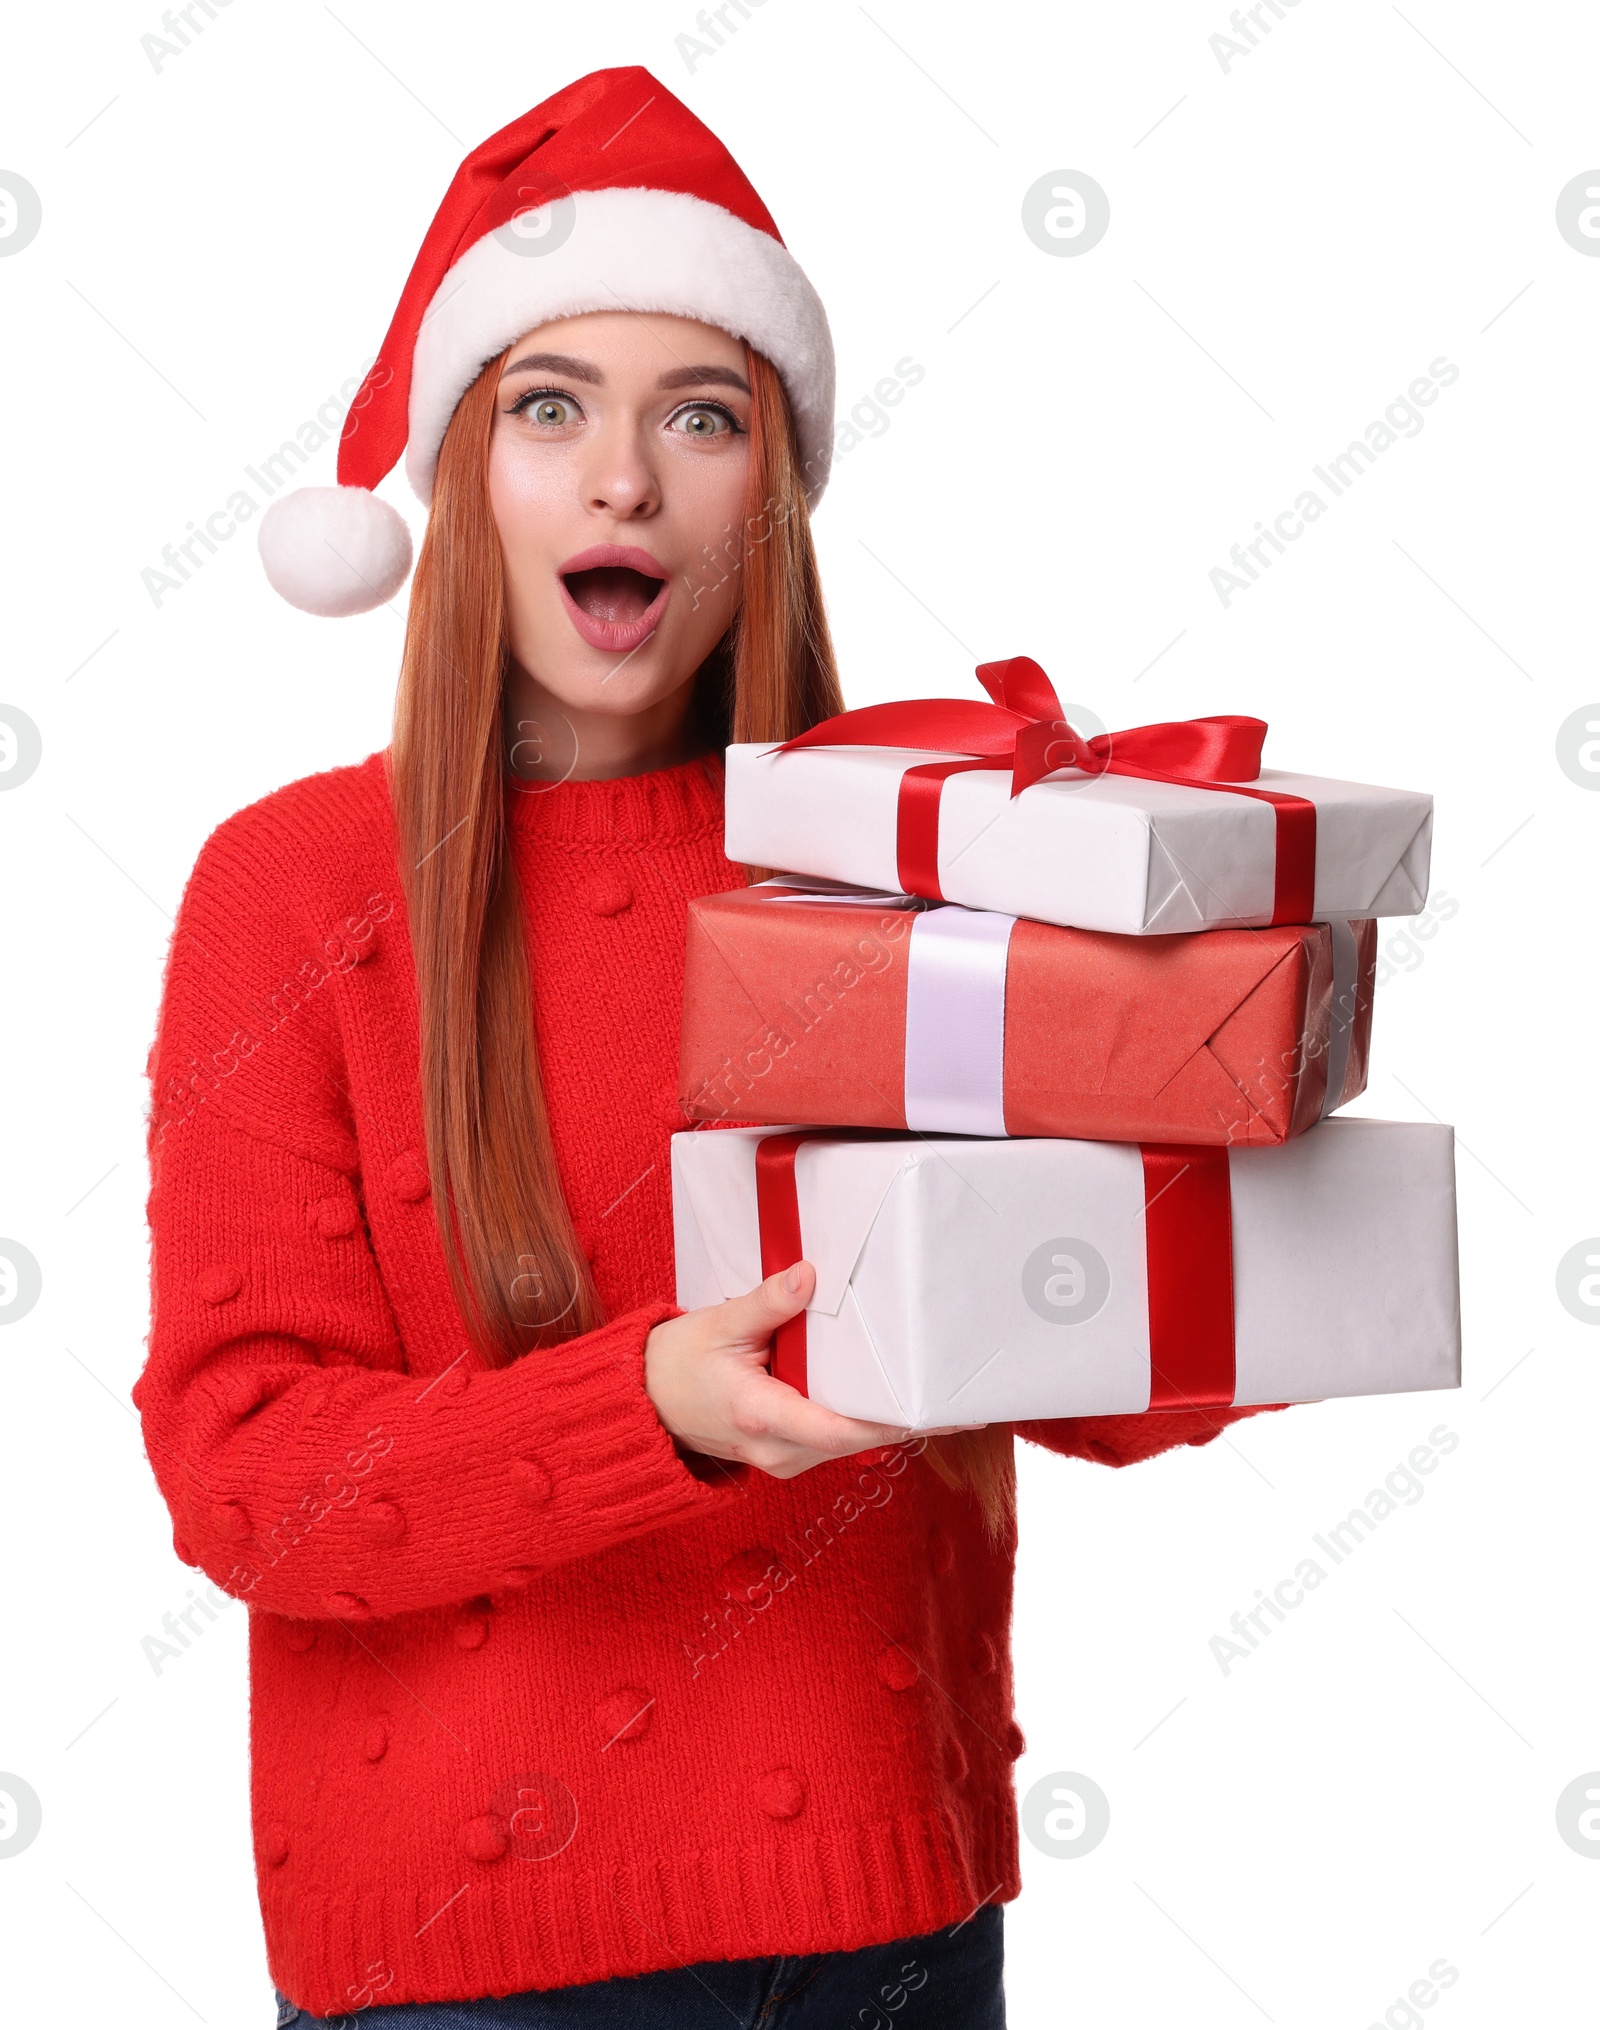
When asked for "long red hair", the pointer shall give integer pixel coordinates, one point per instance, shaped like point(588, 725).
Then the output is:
point(517, 1271)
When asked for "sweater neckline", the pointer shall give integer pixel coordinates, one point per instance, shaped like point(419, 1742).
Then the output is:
point(662, 804)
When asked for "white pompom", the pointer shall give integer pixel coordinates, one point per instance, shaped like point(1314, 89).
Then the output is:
point(334, 550)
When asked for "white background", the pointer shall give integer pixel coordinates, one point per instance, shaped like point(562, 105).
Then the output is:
point(1292, 241)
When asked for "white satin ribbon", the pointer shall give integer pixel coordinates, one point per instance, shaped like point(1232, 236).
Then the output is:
point(956, 1021)
point(1342, 1018)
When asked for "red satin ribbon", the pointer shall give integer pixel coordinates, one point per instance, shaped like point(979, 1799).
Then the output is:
point(1023, 729)
point(1188, 1250)
point(1188, 1232)
point(778, 1216)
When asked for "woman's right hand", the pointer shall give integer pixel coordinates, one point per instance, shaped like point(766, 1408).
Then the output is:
point(705, 1371)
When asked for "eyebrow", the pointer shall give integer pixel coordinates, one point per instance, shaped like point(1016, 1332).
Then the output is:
point(555, 363)
point(716, 377)
point(582, 370)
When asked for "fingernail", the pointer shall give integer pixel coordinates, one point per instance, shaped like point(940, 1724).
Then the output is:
point(791, 1279)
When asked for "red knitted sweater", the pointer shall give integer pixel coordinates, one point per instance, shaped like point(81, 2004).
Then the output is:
point(532, 1703)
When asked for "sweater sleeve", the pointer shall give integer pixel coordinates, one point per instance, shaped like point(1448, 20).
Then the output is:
point(1124, 1441)
point(305, 1468)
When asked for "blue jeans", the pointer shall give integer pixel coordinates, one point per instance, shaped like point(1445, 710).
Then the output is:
point(950, 1979)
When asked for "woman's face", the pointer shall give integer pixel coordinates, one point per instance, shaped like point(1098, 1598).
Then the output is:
point(617, 469)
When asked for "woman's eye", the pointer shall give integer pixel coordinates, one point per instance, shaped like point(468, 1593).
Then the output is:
point(706, 419)
point(551, 412)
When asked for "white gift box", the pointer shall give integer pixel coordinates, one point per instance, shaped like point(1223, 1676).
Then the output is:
point(1104, 852)
point(962, 1280)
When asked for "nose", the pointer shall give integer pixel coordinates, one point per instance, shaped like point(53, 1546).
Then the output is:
point(619, 477)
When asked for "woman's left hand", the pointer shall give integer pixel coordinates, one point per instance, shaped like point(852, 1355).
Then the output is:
point(706, 1373)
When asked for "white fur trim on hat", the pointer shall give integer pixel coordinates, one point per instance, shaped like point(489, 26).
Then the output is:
point(624, 250)
point(334, 550)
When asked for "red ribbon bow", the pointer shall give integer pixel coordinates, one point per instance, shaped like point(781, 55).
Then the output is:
point(1023, 729)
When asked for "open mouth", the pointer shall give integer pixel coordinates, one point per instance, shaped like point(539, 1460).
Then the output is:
point(614, 593)
point(614, 596)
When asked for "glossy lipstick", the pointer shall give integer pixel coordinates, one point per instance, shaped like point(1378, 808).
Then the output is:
point(615, 636)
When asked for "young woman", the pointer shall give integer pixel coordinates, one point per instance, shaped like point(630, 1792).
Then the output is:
point(592, 1669)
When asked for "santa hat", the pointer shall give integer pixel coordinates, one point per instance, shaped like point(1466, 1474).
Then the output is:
point(609, 196)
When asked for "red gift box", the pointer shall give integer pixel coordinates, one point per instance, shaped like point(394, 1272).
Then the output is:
point(814, 1003)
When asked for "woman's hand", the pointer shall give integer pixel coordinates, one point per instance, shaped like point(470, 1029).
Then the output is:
point(706, 1374)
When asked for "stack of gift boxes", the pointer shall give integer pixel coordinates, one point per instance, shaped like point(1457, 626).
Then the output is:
point(1041, 1047)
